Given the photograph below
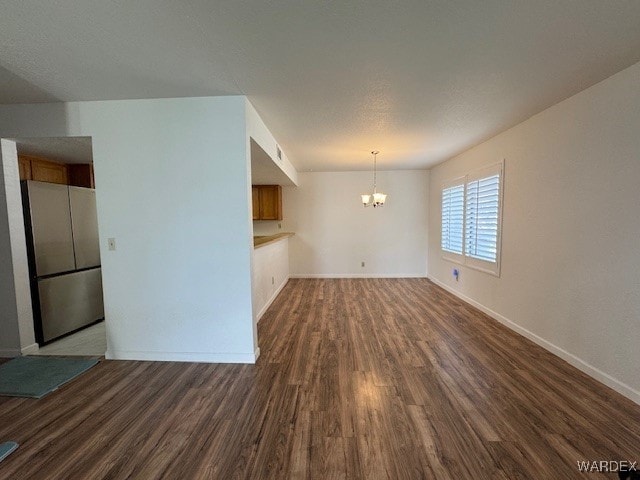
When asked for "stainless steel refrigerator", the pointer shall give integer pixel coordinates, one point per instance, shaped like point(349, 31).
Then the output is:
point(64, 258)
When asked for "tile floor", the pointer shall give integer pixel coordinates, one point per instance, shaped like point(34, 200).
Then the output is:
point(90, 341)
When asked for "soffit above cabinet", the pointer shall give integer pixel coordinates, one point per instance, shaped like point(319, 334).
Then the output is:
point(264, 170)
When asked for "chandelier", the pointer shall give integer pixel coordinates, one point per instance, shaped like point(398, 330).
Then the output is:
point(375, 199)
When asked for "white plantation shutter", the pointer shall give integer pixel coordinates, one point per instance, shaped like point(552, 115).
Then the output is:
point(471, 218)
point(453, 218)
point(482, 210)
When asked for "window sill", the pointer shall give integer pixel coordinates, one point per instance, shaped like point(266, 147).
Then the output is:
point(473, 266)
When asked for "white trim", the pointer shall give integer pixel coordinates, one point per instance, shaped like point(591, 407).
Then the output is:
point(256, 353)
point(9, 353)
point(445, 256)
point(270, 301)
point(30, 349)
point(495, 273)
point(201, 357)
point(14, 352)
point(482, 172)
point(472, 266)
point(570, 358)
point(454, 182)
point(358, 275)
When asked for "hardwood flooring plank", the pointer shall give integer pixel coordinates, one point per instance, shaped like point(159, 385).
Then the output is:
point(357, 379)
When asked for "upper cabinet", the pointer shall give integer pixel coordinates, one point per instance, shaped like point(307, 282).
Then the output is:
point(255, 197)
point(41, 170)
point(50, 172)
point(81, 175)
point(24, 165)
point(267, 202)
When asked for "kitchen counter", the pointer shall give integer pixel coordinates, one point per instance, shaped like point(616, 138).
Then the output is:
point(262, 240)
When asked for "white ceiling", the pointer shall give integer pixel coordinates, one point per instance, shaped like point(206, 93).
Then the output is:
point(418, 80)
point(57, 149)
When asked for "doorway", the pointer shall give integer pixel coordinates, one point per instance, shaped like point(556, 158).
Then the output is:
point(57, 189)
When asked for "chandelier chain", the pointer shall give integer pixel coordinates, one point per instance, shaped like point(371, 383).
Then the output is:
point(376, 199)
point(375, 162)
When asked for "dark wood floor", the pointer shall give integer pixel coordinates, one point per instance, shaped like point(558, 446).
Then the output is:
point(358, 378)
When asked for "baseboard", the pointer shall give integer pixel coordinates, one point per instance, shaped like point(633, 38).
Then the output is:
point(199, 357)
point(270, 301)
point(9, 352)
point(358, 275)
point(570, 358)
point(256, 353)
point(30, 349)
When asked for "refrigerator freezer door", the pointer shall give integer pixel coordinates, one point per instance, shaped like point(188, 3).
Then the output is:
point(51, 227)
point(84, 221)
point(69, 302)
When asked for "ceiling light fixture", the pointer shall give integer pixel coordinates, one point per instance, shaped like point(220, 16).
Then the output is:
point(375, 199)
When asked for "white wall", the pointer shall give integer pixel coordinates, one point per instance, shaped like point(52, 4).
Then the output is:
point(9, 331)
point(16, 291)
point(257, 130)
point(571, 235)
point(270, 274)
point(335, 233)
point(172, 188)
point(268, 227)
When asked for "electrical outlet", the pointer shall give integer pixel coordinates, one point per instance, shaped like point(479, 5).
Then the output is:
point(362, 264)
point(273, 281)
point(280, 225)
point(112, 243)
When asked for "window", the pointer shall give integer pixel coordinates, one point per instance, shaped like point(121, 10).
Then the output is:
point(482, 208)
point(471, 217)
point(452, 218)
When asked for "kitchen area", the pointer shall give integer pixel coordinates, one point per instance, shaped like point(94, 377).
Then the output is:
point(63, 255)
point(270, 241)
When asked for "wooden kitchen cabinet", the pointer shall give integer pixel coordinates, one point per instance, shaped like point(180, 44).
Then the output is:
point(50, 172)
point(271, 202)
point(81, 175)
point(24, 164)
point(255, 197)
point(267, 202)
point(43, 170)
